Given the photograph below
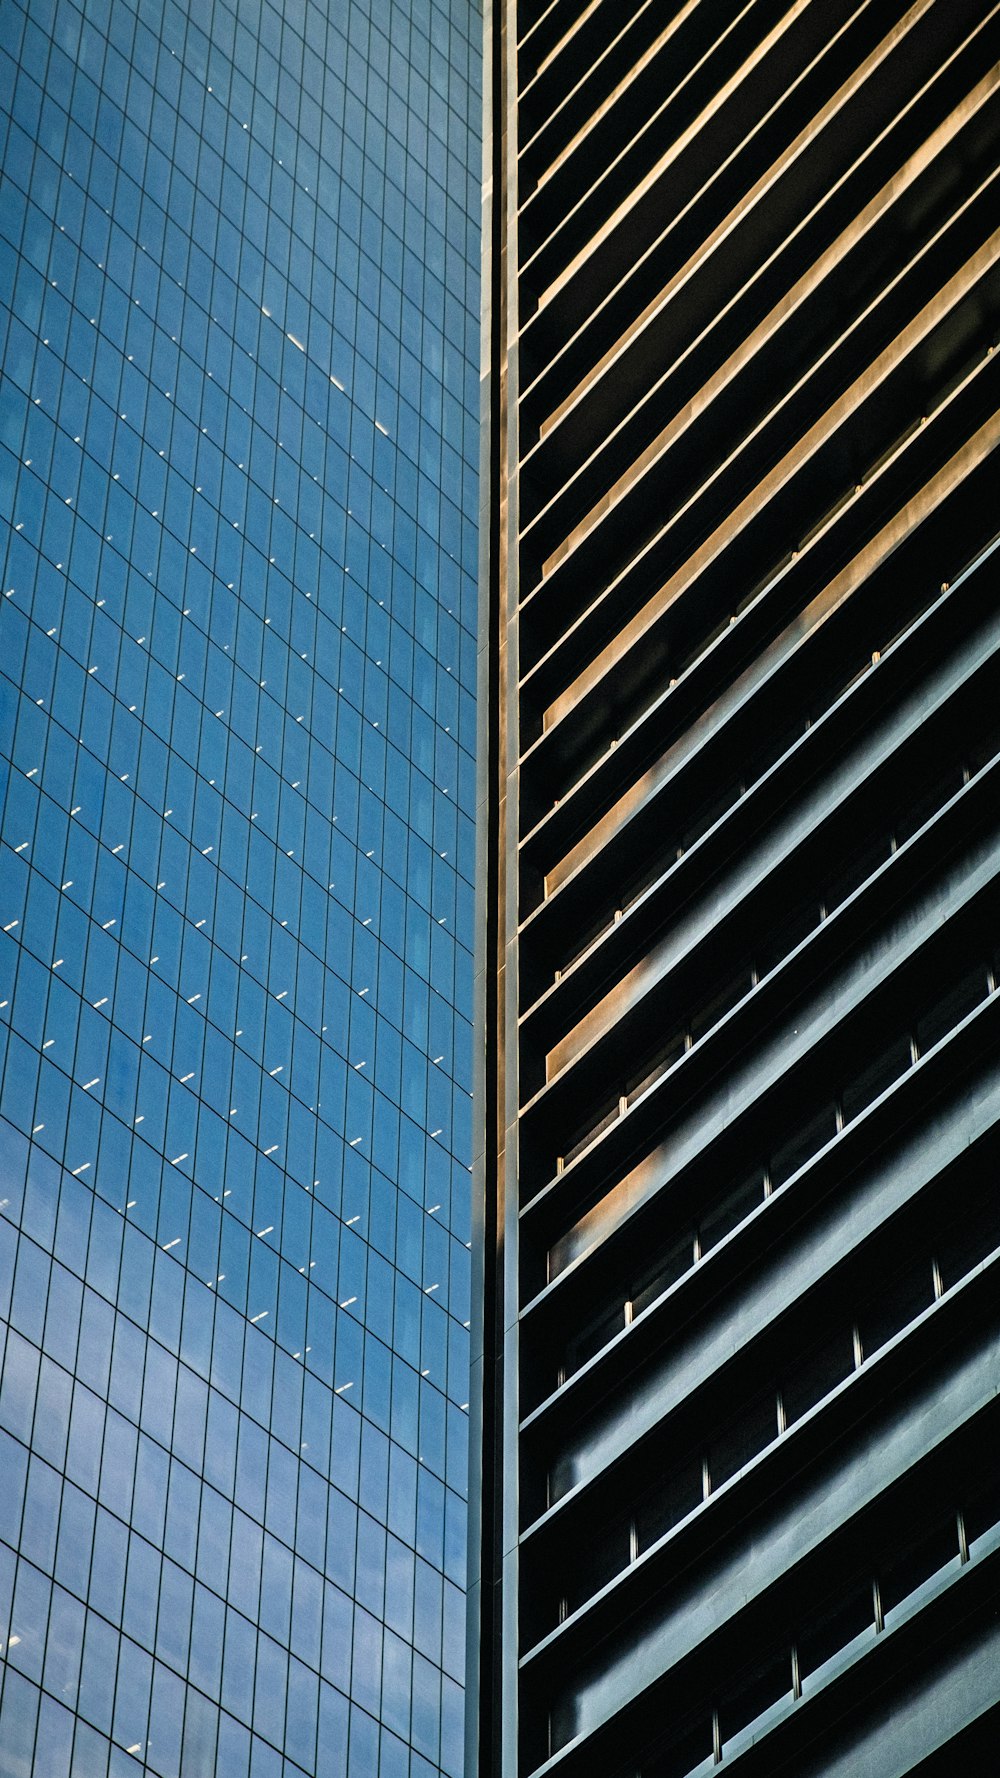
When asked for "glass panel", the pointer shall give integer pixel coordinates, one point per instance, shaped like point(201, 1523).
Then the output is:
point(239, 438)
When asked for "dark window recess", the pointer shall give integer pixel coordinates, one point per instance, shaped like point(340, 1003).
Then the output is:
point(596, 1563)
point(784, 936)
point(819, 1372)
point(982, 751)
point(800, 1148)
point(694, 1745)
point(664, 1058)
point(762, 1686)
point(593, 1338)
point(755, 1427)
point(855, 871)
point(913, 816)
point(888, 1065)
point(902, 1297)
point(975, 1233)
point(834, 1626)
point(733, 1209)
point(591, 1135)
point(761, 759)
point(719, 1005)
point(708, 814)
point(981, 1509)
point(665, 1506)
point(907, 1571)
point(951, 1008)
point(664, 1272)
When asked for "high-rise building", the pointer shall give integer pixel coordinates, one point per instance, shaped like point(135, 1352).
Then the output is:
point(239, 419)
point(739, 1295)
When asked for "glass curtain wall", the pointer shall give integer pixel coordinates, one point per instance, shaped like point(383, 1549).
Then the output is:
point(238, 446)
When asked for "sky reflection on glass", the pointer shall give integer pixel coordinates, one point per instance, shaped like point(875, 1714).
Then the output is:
point(238, 445)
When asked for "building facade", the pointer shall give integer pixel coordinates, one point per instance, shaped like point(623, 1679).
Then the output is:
point(737, 1337)
point(240, 432)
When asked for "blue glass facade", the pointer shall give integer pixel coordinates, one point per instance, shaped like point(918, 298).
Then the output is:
point(238, 446)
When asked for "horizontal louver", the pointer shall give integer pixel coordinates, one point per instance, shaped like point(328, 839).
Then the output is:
point(746, 825)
